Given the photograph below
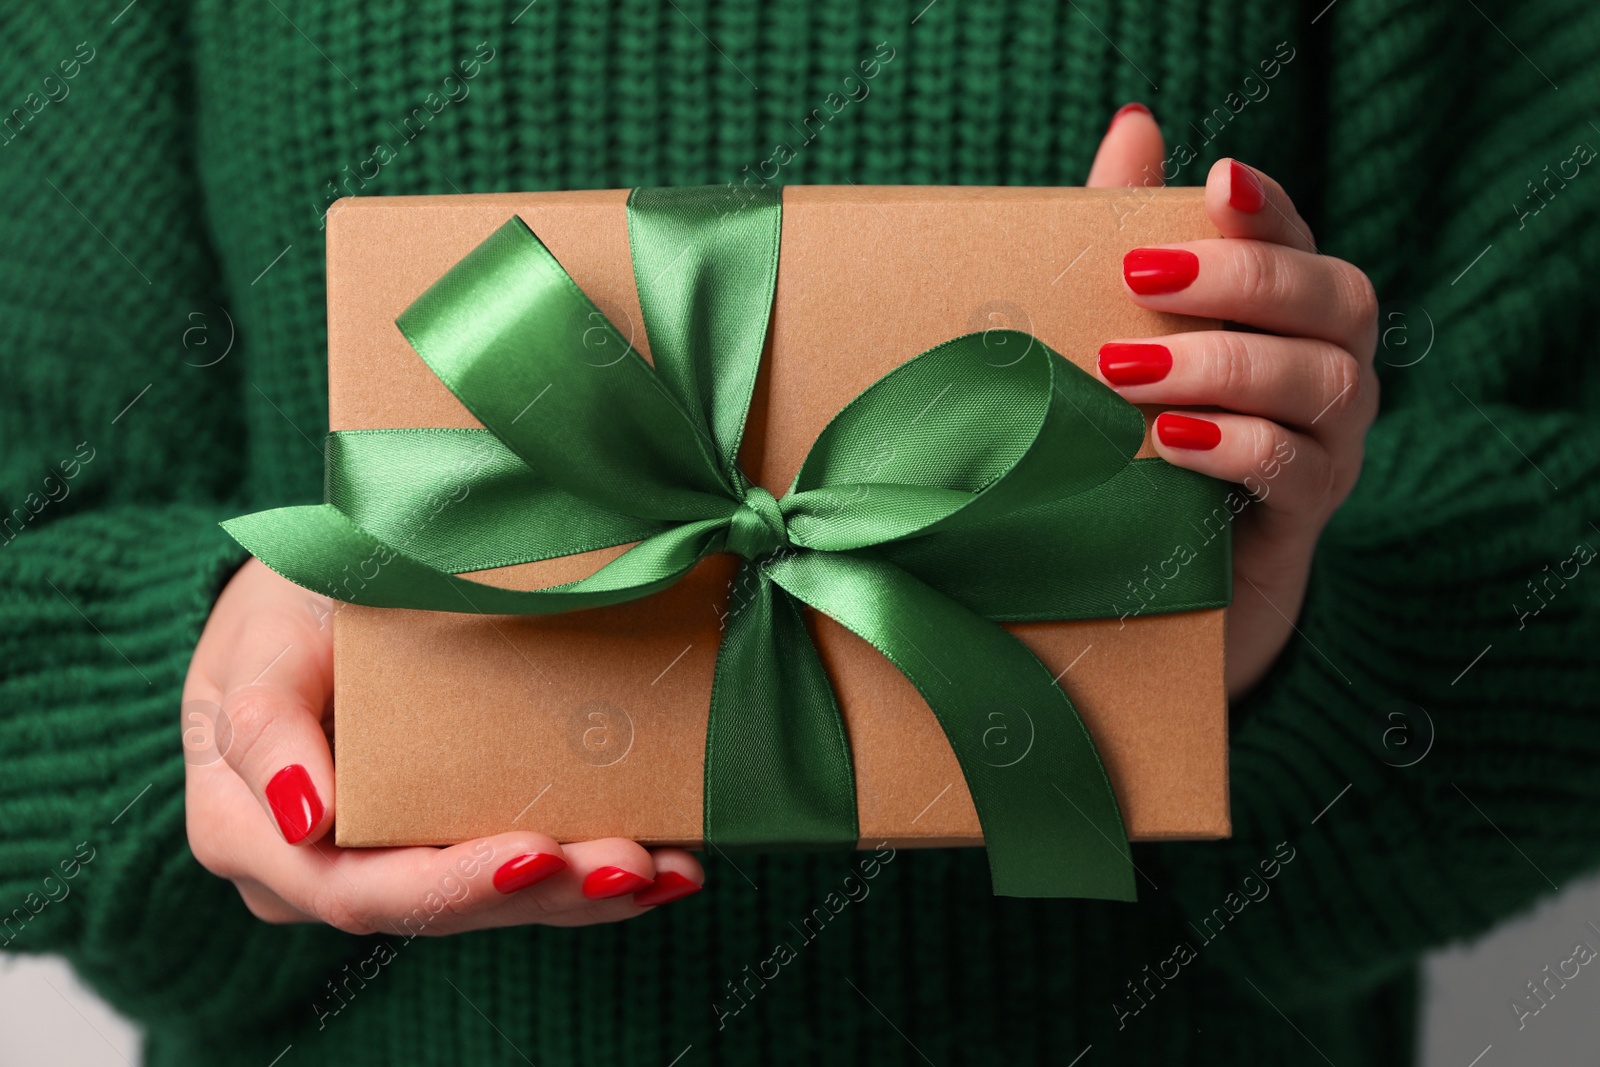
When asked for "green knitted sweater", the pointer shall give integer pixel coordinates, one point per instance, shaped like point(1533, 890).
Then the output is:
point(1423, 761)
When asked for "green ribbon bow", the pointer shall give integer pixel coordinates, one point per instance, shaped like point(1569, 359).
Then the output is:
point(986, 480)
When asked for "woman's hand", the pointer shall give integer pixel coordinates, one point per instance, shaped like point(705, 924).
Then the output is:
point(259, 808)
point(1292, 404)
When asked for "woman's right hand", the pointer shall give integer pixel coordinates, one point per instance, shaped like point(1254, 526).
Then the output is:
point(259, 809)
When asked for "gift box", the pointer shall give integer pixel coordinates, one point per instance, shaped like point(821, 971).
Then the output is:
point(719, 706)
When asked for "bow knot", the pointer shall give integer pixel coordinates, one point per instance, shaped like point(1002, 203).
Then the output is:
point(756, 529)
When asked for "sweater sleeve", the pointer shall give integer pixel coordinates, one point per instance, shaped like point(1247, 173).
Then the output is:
point(1427, 748)
point(119, 445)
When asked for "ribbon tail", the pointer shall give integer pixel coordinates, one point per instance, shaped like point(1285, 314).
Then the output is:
point(1050, 819)
point(778, 770)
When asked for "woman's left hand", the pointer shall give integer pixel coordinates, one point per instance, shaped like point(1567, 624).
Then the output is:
point(1293, 404)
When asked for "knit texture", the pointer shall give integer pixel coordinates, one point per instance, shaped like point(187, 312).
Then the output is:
point(161, 268)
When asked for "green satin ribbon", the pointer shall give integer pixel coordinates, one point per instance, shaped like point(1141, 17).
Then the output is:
point(985, 480)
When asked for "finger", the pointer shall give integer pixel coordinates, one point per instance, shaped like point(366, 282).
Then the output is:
point(266, 905)
point(606, 881)
point(1295, 381)
point(1243, 202)
point(598, 885)
point(1131, 151)
point(1278, 289)
point(611, 867)
point(1285, 471)
point(411, 891)
point(612, 879)
point(274, 707)
point(678, 875)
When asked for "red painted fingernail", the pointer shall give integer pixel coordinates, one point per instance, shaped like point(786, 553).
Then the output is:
point(1134, 364)
point(666, 888)
point(1245, 192)
point(1126, 109)
point(1149, 271)
point(523, 871)
point(612, 882)
point(1180, 431)
point(294, 802)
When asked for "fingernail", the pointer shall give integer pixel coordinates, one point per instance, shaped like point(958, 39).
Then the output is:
point(294, 802)
point(523, 871)
point(1245, 192)
point(666, 888)
point(607, 882)
point(1180, 431)
point(1149, 271)
point(1126, 109)
point(1134, 364)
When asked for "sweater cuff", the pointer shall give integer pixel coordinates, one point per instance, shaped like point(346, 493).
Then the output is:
point(102, 613)
point(1423, 793)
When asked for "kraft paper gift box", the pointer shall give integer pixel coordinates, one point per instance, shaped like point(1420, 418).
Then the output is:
point(593, 723)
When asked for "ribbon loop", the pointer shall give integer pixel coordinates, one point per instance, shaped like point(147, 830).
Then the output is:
point(529, 355)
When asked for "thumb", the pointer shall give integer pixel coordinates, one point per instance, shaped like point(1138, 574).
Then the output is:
point(1130, 153)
